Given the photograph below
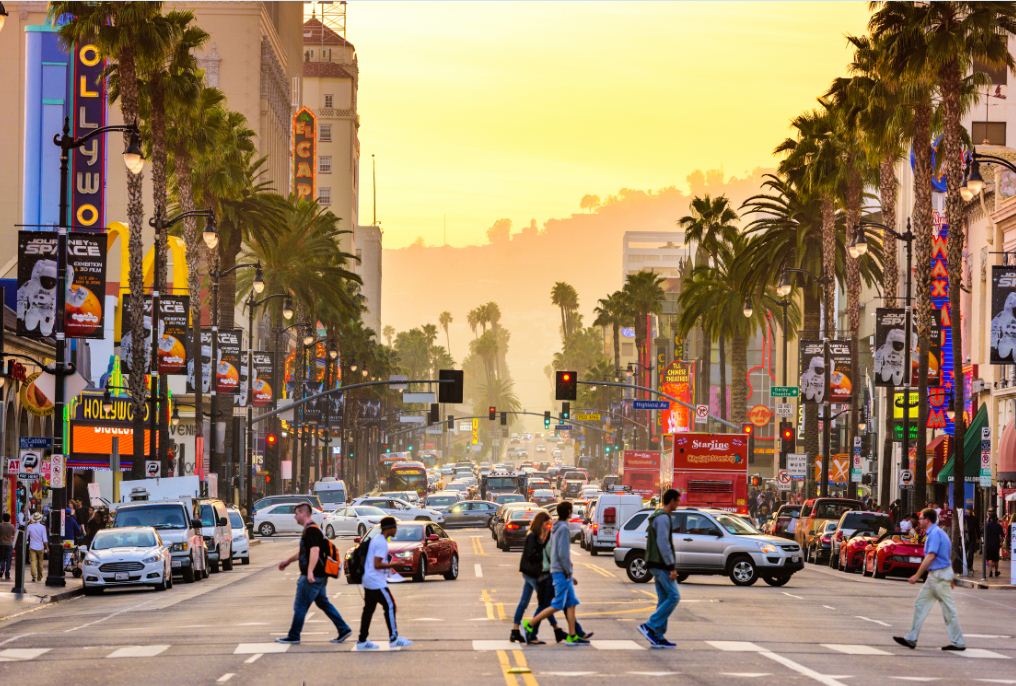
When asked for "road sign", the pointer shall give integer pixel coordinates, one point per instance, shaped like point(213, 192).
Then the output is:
point(701, 414)
point(906, 478)
point(422, 398)
point(985, 476)
point(784, 410)
point(783, 480)
point(797, 465)
point(475, 427)
point(588, 416)
point(784, 392)
point(651, 404)
point(151, 469)
point(29, 476)
point(57, 471)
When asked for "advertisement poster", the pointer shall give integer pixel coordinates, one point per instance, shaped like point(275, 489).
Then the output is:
point(174, 341)
point(677, 380)
point(127, 337)
point(206, 364)
point(1003, 315)
point(86, 284)
point(726, 452)
point(227, 368)
point(264, 374)
point(814, 379)
point(840, 382)
point(890, 346)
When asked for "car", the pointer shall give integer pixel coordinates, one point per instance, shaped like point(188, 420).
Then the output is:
point(609, 511)
point(892, 554)
point(501, 514)
point(820, 548)
point(178, 528)
point(418, 549)
point(534, 483)
point(505, 498)
point(575, 523)
point(311, 500)
point(571, 488)
point(400, 509)
point(351, 520)
point(127, 556)
point(709, 541)
point(442, 500)
point(241, 541)
point(816, 513)
point(458, 486)
point(785, 521)
point(543, 497)
point(851, 558)
point(470, 513)
point(511, 529)
point(217, 533)
point(557, 453)
point(447, 470)
point(411, 497)
point(541, 448)
point(280, 519)
point(855, 520)
point(332, 492)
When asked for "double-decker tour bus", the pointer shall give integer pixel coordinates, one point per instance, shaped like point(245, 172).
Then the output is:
point(640, 472)
point(710, 470)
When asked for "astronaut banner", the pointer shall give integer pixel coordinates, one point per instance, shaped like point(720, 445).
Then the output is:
point(814, 380)
point(227, 368)
point(890, 346)
point(1003, 315)
point(206, 364)
point(86, 284)
point(262, 393)
point(841, 383)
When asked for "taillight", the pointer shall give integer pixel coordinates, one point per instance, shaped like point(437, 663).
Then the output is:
point(826, 538)
point(617, 540)
point(511, 526)
point(575, 520)
point(610, 515)
point(839, 535)
point(596, 527)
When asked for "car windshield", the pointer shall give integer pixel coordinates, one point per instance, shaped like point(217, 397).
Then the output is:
point(867, 521)
point(155, 516)
point(207, 515)
point(441, 500)
point(369, 511)
point(543, 493)
point(329, 499)
point(519, 515)
point(834, 509)
point(456, 487)
point(407, 534)
point(512, 498)
point(736, 525)
point(113, 538)
point(235, 520)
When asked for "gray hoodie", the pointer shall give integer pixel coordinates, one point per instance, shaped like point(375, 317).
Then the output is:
point(560, 548)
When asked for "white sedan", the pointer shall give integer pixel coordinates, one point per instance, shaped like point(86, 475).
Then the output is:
point(127, 556)
point(400, 509)
point(353, 520)
point(280, 519)
point(241, 543)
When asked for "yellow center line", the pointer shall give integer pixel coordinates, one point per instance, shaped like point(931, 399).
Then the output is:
point(509, 679)
point(648, 609)
point(478, 547)
point(602, 572)
point(485, 597)
point(527, 677)
point(648, 593)
point(500, 611)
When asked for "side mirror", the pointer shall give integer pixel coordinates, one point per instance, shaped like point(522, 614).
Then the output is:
point(196, 524)
point(431, 538)
point(223, 521)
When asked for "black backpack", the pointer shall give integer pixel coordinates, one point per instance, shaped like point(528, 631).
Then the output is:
point(358, 562)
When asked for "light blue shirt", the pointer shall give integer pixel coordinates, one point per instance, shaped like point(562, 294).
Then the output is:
point(937, 542)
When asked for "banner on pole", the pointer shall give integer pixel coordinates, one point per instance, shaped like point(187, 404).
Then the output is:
point(814, 375)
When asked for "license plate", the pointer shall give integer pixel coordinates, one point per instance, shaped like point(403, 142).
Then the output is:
point(915, 560)
point(178, 563)
point(795, 559)
point(122, 576)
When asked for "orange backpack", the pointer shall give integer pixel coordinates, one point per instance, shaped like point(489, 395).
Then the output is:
point(330, 557)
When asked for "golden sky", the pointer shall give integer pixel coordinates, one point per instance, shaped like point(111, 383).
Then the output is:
point(483, 110)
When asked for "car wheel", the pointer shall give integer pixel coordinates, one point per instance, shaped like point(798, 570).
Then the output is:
point(592, 550)
point(834, 559)
point(204, 572)
point(266, 529)
point(169, 579)
point(245, 560)
point(776, 580)
point(421, 571)
point(213, 567)
point(161, 586)
point(423, 519)
point(188, 575)
point(742, 571)
point(635, 567)
point(875, 571)
point(227, 562)
point(453, 571)
point(681, 577)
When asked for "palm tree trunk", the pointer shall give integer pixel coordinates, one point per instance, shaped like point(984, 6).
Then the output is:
point(158, 125)
point(739, 370)
point(812, 317)
point(616, 331)
point(564, 325)
point(887, 188)
point(723, 377)
point(705, 380)
point(923, 225)
point(853, 216)
point(829, 266)
point(194, 264)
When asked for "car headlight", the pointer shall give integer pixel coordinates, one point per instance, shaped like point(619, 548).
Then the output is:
point(404, 555)
point(151, 559)
point(91, 561)
point(179, 547)
point(768, 548)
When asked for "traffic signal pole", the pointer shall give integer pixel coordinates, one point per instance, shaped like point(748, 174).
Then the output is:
point(719, 420)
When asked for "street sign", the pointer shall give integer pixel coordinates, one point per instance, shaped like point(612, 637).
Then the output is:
point(151, 469)
point(412, 419)
point(906, 478)
point(784, 392)
point(651, 404)
point(423, 398)
point(985, 476)
point(784, 410)
point(797, 465)
point(701, 414)
point(588, 416)
point(57, 471)
point(29, 476)
point(783, 480)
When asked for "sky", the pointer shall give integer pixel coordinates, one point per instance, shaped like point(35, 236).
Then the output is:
point(478, 111)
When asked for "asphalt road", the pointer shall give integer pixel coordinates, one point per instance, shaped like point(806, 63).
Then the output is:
point(824, 627)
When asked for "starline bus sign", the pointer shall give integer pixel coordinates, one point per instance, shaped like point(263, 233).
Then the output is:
point(711, 452)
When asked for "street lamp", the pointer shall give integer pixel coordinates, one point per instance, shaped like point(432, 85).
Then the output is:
point(784, 287)
point(210, 234)
point(259, 280)
point(308, 336)
point(748, 310)
point(287, 309)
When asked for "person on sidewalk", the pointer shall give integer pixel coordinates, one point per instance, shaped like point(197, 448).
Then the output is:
point(662, 564)
point(994, 534)
point(937, 587)
point(7, 535)
point(375, 588)
point(36, 533)
point(311, 587)
point(561, 573)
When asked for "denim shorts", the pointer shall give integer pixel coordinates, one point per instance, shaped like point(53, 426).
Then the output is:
point(564, 592)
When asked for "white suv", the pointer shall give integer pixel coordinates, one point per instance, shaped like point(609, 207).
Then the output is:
point(400, 509)
point(711, 542)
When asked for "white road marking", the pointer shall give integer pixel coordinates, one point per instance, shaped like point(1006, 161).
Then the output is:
point(567, 673)
point(109, 616)
point(617, 645)
point(746, 675)
point(873, 621)
point(989, 636)
point(478, 570)
point(197, 626)
point(735, 646)
point(426, 619)
point(11, 654)
point(245, 624)
point(915, 678)
point(253, 658)
point(996, 681)
point(251, 648)
point(982, 653)
point(14, 638)
point(138, 651)
point(494, 645)
point(855, 649)
point(225, 677)
point(749, 647)
point(383, 647)
point(654, 673)
point(829, 607)
point(792, 595)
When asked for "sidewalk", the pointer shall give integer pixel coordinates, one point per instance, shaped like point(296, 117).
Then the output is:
point(35, 594)
point(974, 579)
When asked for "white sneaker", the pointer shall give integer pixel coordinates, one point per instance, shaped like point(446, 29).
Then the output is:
point(400, 642)
point(367, 645)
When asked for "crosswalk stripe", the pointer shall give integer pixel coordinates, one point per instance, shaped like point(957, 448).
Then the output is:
point(493, 645)
point(138, 651)
point(735, 646)
point(855, 649)
point(625, 644)
point(982, 653)
point(251, 648)
point(22, 653)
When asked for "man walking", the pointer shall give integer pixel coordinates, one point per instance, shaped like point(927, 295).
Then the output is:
point(36, 533)
point(662, 564)
point(7, 534)
point(375, 588)
point(311, 586)
point(564, 583)
point(937, 587)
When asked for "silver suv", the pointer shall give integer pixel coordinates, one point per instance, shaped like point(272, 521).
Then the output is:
point(708, 541)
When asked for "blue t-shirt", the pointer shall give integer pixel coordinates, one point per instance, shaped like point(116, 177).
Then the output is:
point(937, 542)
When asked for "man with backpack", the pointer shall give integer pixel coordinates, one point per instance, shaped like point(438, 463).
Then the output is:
point(375, 566)
point(317, 559)
point(661, 562)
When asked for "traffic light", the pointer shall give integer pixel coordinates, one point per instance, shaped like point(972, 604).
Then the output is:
point(451, 423)
point(748, 428)
point(450, 392)
point(435, 414)
point(606, 449)
point(546, 419)
point(271, 440)
point(788, 439)
point(566, 410)
point(566, 385)
point(504, 419)
point(491, 413)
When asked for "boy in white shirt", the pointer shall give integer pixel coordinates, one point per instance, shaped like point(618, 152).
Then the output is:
point(375, 588)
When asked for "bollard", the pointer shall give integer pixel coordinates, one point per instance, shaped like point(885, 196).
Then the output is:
point(19, 562)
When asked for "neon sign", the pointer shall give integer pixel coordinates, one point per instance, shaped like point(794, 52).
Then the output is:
point(304, 149)
point(940, 398)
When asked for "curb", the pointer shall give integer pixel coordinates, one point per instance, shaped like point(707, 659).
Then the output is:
point(984, 585)
point(52, 597)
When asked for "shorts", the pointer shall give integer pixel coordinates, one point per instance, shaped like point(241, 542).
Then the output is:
point(564, 592)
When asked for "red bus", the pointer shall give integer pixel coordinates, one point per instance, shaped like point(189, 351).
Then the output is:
point(710, 470)
point(640, 471)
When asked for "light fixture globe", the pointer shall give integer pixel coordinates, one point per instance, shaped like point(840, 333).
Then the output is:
point(287, 309)
point(783, 287)
point(133, 159)
point(259, 279)
point(210, 235)
point(748, 309)
point(176, 417)
point(975, 182)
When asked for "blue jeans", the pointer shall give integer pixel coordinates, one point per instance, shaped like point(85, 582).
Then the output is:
point(531, 585)
point(667, 597)
point(308, 594)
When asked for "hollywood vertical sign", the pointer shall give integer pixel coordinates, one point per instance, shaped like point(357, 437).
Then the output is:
point(304, 149)
point(88, 100)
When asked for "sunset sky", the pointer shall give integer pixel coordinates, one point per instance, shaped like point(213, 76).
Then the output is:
point(483, 110)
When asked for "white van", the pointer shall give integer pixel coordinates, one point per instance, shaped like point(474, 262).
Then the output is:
point(612, 510)
point(331, 492)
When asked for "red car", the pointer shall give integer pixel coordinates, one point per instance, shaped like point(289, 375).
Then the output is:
point(893, 554)
point(419, 549)
point(852, 551)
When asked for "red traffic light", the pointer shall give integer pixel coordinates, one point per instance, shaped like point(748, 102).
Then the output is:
point(492, 412)
point(788, 432)
point(566, 376)
point(748, 428)
point(271, 440)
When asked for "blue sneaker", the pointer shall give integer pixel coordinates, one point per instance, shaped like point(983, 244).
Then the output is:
point(664, 643)
point(650, 635)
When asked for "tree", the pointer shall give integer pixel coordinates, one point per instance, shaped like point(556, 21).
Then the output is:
point(565, 297)
point(388, 331)
point(644, 293)
point(444, 320)
point(613, 311)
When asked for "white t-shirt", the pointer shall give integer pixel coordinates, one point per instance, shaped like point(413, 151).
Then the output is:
point(36, 536)
point(376, 579)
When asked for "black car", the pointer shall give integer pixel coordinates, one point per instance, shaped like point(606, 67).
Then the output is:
point(511, 529)
point(311, 500)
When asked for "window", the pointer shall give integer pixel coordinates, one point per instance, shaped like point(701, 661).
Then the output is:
point(326, 133)
point(699, 524)
point(989, 132)
point(998, 75)
point(328, 100)
point(325, 164)
point(324, 196)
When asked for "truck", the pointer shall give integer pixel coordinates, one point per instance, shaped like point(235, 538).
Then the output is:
point(165, 488)
point(710, 470)
point(501, 482)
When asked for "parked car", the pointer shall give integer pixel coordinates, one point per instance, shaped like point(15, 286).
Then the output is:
point(611, 509)
point(127, 556)
point(311, 500)
point(816, 513)
point(852, 550)
point(353, 520)
point(820, 548)
point(470, 513)
point(419, 550)
point(785, 521)
point(178, 528)
point(217, 533)
point(241, 542)
point(893, 554)
point(855, 520)
point(511, 529)
point(442, 500)
point(400, 509)
point(630, 547)
point(279, 519)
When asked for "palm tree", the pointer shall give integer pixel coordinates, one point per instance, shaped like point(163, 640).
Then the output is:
point(644, 293)
point(565, 297)
point(444, 320)
point(613, 311)
point(430, 331)
point(388, 332)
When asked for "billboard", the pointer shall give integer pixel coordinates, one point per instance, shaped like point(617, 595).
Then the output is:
point(263, 393)
point(92, 430)
point(814, 379)
point(677, 380)
point(938, 396)
point(840, 382)
point(890, 342)
point(1003, 315)
point(711, 452)
point(174, 338)
point(304, 153)
point(227, 368)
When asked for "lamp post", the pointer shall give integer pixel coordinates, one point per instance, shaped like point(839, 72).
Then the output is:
point(134, 161)
point(258, 286)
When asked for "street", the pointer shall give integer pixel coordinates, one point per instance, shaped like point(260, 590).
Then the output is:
point(824, 627)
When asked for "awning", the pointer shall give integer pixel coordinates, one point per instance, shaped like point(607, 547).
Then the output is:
point(971, 450)
point(1005, 467)
point(937, 454)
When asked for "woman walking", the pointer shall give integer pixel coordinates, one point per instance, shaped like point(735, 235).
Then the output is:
point(533, 572)
point(993, 536)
